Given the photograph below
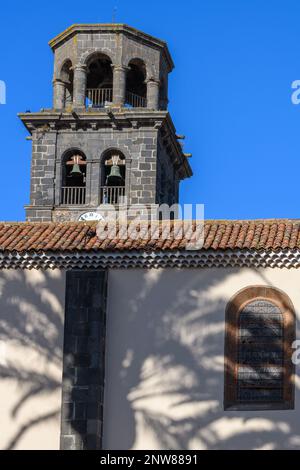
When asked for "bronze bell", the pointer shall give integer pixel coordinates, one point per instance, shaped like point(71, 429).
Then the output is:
point(114, 178)
point(76, 161)
point(75, 172)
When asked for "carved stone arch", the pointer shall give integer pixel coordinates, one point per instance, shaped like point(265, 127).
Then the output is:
point(71, 150)
point(89, 53)
point(117, 149)
point(150, 72)
point(67, 64)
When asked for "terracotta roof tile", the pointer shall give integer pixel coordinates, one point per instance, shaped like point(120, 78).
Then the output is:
point(266, 234)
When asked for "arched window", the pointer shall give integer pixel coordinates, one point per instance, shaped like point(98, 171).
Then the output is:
point(73, 190)
point(113, 173)
point(136, 88)
point(260, 330)
point(99, 81)
point(66, 75)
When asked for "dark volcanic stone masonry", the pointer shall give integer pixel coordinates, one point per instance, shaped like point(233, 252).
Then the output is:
point(84, 360)
point(143, 133)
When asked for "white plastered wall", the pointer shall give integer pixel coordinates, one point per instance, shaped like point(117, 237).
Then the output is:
point(31, 342)
point(165, 356)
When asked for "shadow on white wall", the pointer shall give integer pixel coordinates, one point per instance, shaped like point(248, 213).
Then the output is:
point(31, 338)
point(165, 366)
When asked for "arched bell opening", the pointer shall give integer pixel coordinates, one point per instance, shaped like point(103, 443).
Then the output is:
point(99, 81)
point(67, 77)
point(73, 190)
point(136, 88)
point(113, 174)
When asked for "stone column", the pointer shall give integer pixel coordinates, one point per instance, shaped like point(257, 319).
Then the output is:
point(79, 92)
point(152, 94)
point(119, 84)
point(59, 94)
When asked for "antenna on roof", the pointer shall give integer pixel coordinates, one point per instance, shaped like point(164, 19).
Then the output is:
point(114, 14)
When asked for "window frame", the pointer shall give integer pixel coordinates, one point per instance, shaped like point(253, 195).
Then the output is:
point(232, 313)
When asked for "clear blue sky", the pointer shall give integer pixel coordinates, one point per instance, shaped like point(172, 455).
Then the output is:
point(230, 94)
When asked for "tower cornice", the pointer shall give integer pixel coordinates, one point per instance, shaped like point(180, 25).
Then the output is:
point(49, 121)
point(117, 28)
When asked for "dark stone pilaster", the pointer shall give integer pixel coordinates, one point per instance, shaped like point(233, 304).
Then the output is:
point(84, 360)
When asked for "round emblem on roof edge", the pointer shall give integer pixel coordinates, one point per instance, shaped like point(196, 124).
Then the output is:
point(90, 216)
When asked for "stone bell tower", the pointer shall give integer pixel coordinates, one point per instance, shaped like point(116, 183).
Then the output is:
point(108, 135)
